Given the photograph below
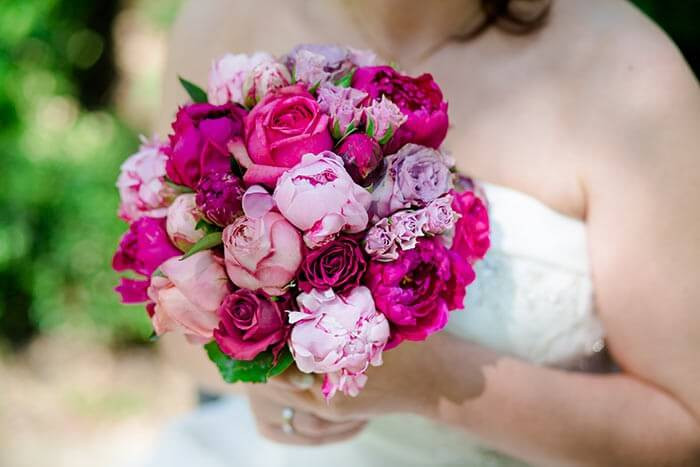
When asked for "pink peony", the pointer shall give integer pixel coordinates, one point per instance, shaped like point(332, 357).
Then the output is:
point(319, 197)
point(262, 253)
point(420, 99)
point(200, 139)
point(228, 74)
point(141, 183)
point(264, 78)
point(284, 126)
point(181, 222)
point(251, 323)
point(416, 291)
point(338, 334)
point(471, 235)
point(188, 296)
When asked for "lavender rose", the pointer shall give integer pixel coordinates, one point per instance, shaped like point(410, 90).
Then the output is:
point(219, 197)
point(338, 265)
point(380, 242)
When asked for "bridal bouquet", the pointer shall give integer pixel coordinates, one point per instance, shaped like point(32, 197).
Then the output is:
point(301, 212)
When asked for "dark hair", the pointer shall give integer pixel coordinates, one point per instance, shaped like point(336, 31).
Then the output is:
point(515, 16)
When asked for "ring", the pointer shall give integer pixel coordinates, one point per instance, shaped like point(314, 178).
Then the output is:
point(287, 417)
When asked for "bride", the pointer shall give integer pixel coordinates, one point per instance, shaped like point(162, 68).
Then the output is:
point(582, 119)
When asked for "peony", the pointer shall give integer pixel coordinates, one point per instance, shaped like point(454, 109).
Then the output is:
point(141, 183)
point(420, 99)
point(181, 222)
point(361, 155)
point(284, 126)
point(471, 234)
point(219, 197)
point(319, 197)
point(187, 297)
point(338, 334)
point(262, 253)
point(337, 265)
point(416, 291)
point(228, 74)
point(200, 139)
point(264, 78)
point(251, 323)
point(380, 241)
point(414, 176)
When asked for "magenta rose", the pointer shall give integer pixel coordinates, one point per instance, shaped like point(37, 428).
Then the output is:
point(284, 126)
point(417, 291)
point(471, 235)
point(420, 99)
point(337, 265)
point(250, 323)
point(142, 249)
point(200, 139)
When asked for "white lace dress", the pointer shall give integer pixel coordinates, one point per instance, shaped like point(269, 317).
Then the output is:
point(532, 298)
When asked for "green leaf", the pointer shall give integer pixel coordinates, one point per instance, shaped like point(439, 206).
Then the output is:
point(314, 88)
point(205, 243)
point(387, 136)
point(196, 93)
point(345, 80)
point(258, 370)
point(335, 131)
point(206, 226)
point(370, 128)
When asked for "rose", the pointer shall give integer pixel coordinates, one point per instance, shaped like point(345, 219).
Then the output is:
point(339, 334)
point(200, 139)
point(284, 126)
point(380, 242)
point(361, 155)
point(251, 323)
point(414, 176)
point(219, 197)
point(408, 226)
point(338, 265)
point(228, 74)
point(383, 118)
point(187, 297)
point(181, 222)
point(262, 253)
point(420, 99)
point(319, 197)
point(315, 64)
point(439, 215)
point(141, 183)
point(471, 234)
point(344, 105)
point(264, 78)
point(416, 291)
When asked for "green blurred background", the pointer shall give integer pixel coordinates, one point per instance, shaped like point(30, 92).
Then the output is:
point(78, 82)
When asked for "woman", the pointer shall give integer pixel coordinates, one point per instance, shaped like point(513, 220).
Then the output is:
point(591, 120)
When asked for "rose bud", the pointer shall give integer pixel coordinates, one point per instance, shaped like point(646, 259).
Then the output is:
point(262, 79)
point(361, 155)
point(227, 75)
point(181, 223)
point(219, 197)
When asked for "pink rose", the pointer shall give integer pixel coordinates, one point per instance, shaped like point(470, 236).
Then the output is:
point(188, 297)
point(471, 235)
point(262, 253)
point(319, 197)
point(284, 126)
point(228, 74)
point(182, 219)
point(264, 78)
point(141, 183)
point(336, 334)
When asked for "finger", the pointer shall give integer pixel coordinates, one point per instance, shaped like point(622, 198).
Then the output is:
point(276, 434)
point(293, 380)
point(313, 426)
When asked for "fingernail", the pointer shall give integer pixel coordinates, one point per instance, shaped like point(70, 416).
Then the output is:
point(302, 380)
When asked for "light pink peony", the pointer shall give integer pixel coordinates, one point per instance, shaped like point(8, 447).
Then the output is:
point(141, 183)
point(340, 335)
point(188, 296)
point(262, 79)
point(319, 197)
point(228, 74)
point(262, 253)
point(182, 219)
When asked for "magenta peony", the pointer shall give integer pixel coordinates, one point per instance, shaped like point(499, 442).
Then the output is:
point(338, 334)
point(361, 155)
point(417, 291)
point(284, 126)
point(262, 253)
point(219, 196)
point(420, 99)
point(471, 235)
point(319, 197)
point(228, 74)
point(181, 222)
point(250, 323)
point(188, 296)
point(337, 265)
point(200, 139)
